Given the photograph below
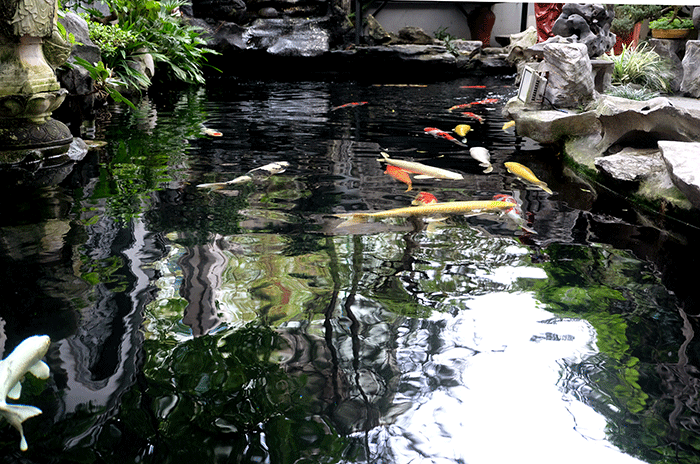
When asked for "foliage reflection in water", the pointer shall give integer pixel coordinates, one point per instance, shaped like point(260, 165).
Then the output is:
point(240, 326)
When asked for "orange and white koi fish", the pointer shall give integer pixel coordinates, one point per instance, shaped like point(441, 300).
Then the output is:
point(515, 213)
point(433, 209)
point(526, 175)
point(400, 175)
point(260, 172)
point(459, 107)
point(349, 105)
point(211, 132)
point(424, 198)
point(473, 116)
point(423, 170)
point(482, 155)
point(440, 134)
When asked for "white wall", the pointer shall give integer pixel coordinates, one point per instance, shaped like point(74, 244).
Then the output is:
point(437, 15)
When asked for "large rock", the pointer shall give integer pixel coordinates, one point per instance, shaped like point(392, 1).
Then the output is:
point(221, 10)
point(570, 83)
point(691, 69)
point(632, 165)
point(287, 37)
point(589, 23)
point(644, 123)
point(550, 126)
point(683, 163)
point(671, 51)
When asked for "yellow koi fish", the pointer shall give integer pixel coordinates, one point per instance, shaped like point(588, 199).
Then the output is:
point(422, 169)
point(526, 175)
point(508, 125)
point(462, 130)
point(432, 209)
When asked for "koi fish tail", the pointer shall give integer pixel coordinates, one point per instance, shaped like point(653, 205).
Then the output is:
point(214, 186)
point(488, 167)
point(352, 218)
point(15, 415)
point(544, 187)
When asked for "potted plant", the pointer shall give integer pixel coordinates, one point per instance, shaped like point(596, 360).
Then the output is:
point(671, 25)
point(627, 24)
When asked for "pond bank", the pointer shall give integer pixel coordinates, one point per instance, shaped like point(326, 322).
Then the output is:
point(640, 149)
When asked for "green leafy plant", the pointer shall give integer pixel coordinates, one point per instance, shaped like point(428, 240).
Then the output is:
point(642, 66)
point(105, 84)
point(632, 92)
point(442, 34)
point(626, 16)
point(671, 21)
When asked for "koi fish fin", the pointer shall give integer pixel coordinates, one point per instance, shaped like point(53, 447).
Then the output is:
point(489, 167)
point(351, 218)
point(544, 187)
point(15, 415)
point(528, 230)
point(16, 391)
point(40, 370)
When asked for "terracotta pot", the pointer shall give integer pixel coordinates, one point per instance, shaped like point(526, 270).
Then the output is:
point(630, 39)
point(671, 33)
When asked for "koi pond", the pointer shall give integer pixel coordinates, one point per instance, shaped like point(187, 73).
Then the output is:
point(241, 325)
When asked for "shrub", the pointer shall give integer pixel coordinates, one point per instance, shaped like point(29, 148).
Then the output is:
point(642, 66)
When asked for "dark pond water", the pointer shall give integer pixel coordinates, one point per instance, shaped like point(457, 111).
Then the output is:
point(240, 325)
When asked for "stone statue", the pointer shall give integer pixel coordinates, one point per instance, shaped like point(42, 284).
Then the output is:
point(31, 47)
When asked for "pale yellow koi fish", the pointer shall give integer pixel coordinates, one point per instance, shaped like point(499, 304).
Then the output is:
point(525, 174)
point(433, 209)
point(508, 125)
point(418, 168)
point(263, 171)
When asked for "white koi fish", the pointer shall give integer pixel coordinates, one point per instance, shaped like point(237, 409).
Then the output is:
point(25, 358)
point(481, 154)
point(267, 170)
point(422, 169)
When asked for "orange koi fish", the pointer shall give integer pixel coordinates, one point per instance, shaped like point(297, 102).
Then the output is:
point(437, 133)
point(474, 116)
point(424, 198)
point(348, 105)
point(399, 174)
point(472, 86)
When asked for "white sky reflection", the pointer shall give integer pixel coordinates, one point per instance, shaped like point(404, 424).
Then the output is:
point(507, 405)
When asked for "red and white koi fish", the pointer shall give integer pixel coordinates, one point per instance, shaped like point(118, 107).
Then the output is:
point(422, 169)
point(399, 174)
point(211, 132)
point(459, 107)
point(485, 101)
point(515, 213)
point(349, 105)
point(437, 133)
point(473, 116)
point(424, 198)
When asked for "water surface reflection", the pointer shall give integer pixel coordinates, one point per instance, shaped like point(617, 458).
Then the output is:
point(241, 325)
